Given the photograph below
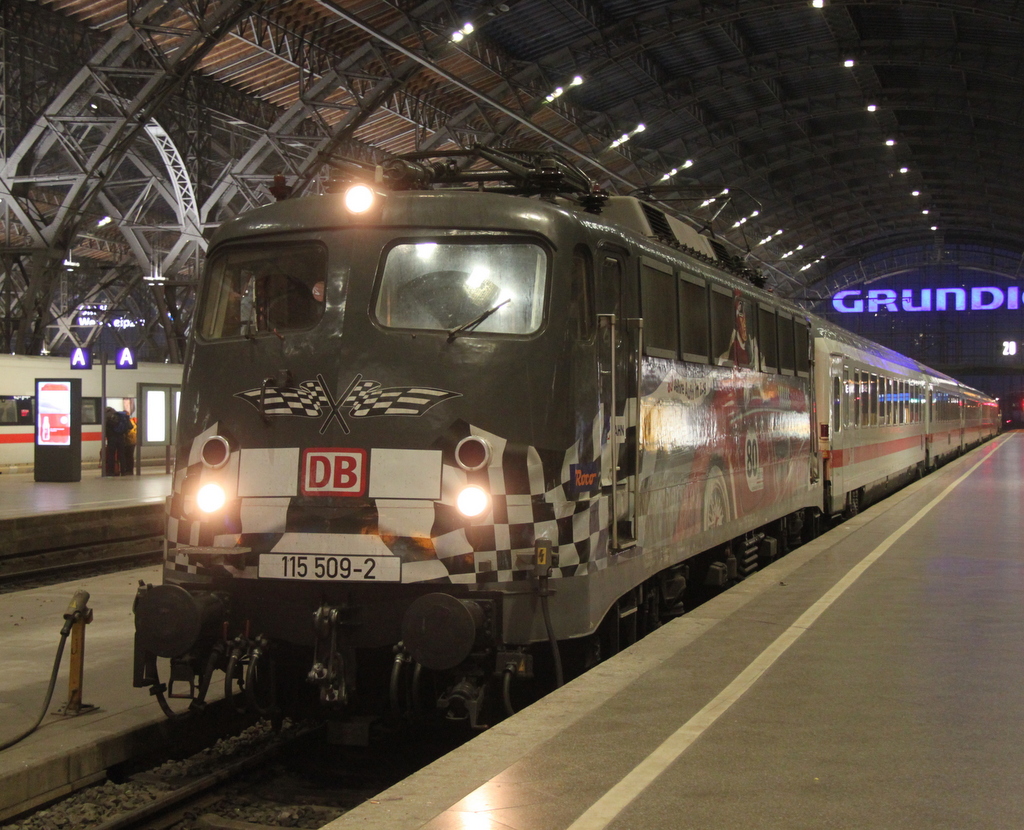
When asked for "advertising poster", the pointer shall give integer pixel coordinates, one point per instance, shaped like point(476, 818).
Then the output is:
point(54, 401)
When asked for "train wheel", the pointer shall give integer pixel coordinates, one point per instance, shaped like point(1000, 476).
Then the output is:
point(716, 499)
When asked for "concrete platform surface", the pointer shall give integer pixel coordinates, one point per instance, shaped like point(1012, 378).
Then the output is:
point(67, 752)
point(21, 495)
point(873, 678)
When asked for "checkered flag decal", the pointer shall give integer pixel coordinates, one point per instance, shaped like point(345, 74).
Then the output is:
point(307, 400)
point(368, 399)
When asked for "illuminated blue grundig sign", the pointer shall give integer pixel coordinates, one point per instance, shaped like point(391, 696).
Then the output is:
point(982, 298)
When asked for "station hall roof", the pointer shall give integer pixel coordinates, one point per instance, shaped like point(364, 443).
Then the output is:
point(824, 142)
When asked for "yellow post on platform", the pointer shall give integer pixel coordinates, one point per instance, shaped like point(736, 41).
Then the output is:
point(79, 614)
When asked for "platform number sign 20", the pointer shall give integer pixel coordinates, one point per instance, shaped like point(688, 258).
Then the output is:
point(1009, 348)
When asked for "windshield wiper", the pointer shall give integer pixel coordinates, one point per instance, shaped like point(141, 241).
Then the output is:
point(476, 321)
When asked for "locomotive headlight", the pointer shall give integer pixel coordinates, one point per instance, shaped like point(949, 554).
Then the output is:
point(210, 498)
point(472, 501)
point(359, 198)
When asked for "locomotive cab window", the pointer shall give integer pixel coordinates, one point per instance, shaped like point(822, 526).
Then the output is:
point(264, 288)
point(493, 288)
point(581, 300)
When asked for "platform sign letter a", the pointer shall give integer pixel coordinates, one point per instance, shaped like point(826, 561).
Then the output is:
point(125, 359)
point(81, 358)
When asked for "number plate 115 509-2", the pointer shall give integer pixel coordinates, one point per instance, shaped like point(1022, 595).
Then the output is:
point(330, 567)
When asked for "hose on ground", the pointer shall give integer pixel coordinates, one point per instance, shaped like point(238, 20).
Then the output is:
point(64, 632)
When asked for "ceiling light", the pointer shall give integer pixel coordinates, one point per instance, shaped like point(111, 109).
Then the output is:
point(904, 169)
point(915, 193)
point(889, 142)
point(848, 63)
point(872, 107)
point(818, 4)
point(622, 139)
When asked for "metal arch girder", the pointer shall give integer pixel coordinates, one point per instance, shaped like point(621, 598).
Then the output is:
point(229, 183)
point(522, 118)
point(87, 84)
point(58, 233)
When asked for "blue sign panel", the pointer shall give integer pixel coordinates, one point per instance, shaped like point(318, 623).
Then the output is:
point(81, 358)
point(125, 359)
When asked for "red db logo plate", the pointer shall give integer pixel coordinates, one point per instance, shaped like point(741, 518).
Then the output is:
point(333, 471)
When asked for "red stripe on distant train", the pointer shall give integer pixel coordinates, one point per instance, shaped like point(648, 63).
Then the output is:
point(28, 437)
point(869, 452)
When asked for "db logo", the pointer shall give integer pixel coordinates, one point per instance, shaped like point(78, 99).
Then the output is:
point(333, 472)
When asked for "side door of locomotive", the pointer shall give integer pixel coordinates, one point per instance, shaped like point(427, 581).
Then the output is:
point(618, 368)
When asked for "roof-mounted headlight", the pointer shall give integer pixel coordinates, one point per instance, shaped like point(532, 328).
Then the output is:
point(360, 199)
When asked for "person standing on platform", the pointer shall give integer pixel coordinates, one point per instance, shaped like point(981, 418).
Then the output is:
point(128, 446)
point(115, 430)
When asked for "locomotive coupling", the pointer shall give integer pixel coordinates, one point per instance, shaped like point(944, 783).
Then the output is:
point(169, 620)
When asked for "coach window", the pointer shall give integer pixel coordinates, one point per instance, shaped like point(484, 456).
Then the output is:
point(694, 330)
point(873, 398)
point(471, 287)
point(846, 396)
point(659, 303)
point(259, 289)
point(16, 410)
point(837, 403)
point(581, 300)
point(769, 339)
point(858, 403)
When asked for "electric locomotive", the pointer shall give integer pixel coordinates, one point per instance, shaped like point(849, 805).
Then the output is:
point(460, 423)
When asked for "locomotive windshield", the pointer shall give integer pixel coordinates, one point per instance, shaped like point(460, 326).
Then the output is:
point(264, 288)
point(495, 288)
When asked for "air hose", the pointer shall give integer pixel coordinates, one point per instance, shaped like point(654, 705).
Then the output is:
point(75, 612)
point(555, 652)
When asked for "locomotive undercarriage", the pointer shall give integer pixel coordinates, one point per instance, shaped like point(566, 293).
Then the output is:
point(411, 651)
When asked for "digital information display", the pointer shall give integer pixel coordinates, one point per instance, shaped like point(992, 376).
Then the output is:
point(53, 399)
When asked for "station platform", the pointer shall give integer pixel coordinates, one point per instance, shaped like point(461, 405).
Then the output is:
point(47, 525)
point(67, 753)
point(22, 496)
point(873, 678)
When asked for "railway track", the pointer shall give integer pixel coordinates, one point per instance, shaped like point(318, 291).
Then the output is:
point(50, 547)
point(47, 567)
point(258, 779)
